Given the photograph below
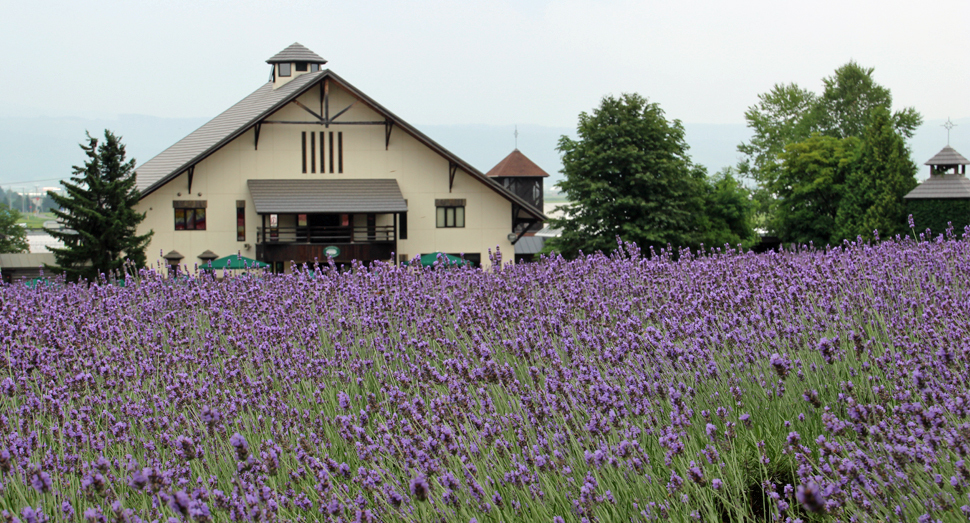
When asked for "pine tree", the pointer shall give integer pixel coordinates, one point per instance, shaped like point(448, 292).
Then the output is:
point(98, 214)
point(874, 189)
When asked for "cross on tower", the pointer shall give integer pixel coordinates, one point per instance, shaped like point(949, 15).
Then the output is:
point(517, 137)
point(948, 125)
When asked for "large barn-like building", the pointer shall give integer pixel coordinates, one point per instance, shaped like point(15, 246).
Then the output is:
point(308, 166)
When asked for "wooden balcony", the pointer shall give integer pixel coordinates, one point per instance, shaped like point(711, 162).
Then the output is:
point(307, 244)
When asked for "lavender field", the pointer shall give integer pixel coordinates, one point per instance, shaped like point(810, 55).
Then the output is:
point(826, 385)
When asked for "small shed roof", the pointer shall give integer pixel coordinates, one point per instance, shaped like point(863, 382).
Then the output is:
point(947, 156)
point(529, 245)
point(327, 196)
point(516, 164)
point(941, 186)
point(296, 53)
point(26, 260)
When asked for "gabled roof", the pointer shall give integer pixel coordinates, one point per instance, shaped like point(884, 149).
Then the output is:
point(251, 110)
point(516, 164)
point(296, 53)
point(947, 156)
point(217, 132)
point(949, 186)
point(343, 195)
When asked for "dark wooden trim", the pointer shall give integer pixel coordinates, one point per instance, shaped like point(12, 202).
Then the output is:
point(304, 151)
point(340, 152)
point(189, 204)
point(327, 124)
point(452, 169)
point(388, 125)
point(313, 152)
point(191, 175)
point(451, 202)
point(256, 139)
point(331, 151)
point(241, 203)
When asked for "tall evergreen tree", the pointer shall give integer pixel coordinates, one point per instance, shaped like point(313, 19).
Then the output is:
point(13, 237)
point(627, 175)
point(874, 189)
point(98, 214)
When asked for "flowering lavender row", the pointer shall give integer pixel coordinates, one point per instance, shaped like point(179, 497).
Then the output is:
point(819, 385)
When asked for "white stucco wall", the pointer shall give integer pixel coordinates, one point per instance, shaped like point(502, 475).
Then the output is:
point(422, 175)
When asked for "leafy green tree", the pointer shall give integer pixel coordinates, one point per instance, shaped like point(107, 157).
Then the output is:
point(98, 214)
point(849, 97)
point(789, 114)
point(13, 237)
point(627, 175)
point(728, 212)
point(777, 120)
point(874, 189)
point(809, 188)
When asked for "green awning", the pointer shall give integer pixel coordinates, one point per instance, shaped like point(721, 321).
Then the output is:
point(428, 260)
point(234, 261)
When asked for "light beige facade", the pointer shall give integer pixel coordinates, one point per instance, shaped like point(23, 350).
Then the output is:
point(421, 168)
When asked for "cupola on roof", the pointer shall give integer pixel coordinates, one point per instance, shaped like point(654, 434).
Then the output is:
point(296, 53)
point(947, 156)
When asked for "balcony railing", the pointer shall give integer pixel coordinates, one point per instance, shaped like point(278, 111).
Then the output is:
point(328, 234)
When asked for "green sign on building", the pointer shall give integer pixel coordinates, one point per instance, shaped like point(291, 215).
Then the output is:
point(331, 251)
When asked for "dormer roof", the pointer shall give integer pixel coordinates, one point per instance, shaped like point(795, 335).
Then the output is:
point(296, 53)
point(947, 156)
point(516, 164)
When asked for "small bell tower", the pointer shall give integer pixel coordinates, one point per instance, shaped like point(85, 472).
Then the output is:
point(292, 62)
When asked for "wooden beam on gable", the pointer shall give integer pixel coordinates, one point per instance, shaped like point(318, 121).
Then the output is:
point(326, 101)
point(191, 174)
point(307, 109)
point(388, 125)
point(452, 169)
point(344, 110)
point(256, 139)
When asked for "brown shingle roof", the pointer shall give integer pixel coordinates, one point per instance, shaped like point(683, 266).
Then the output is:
point(296, 53)
point(941, 186)
point(516, 164)
point(947, 156)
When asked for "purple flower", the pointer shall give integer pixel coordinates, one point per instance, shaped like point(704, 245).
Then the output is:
point(810, 496)
point(420, 488)
point(716, 484)
point(781, 365)
point(241, 445)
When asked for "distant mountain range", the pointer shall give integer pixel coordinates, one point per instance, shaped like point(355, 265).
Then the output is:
point(38, 151)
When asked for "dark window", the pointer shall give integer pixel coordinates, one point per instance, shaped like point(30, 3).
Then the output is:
point(331, 152)
point(313, 152)
point(371, 227)
point(240, 220)
point(340, 152)
point(402, 233)
point(301, 67)
point(304, 152)
point(323, 168)
point(189, 219)
point(278, 267)
point(450, 217)
point(314, 68)
point(285, 69)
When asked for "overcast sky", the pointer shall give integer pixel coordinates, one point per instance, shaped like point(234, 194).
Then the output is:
point(497, 62)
